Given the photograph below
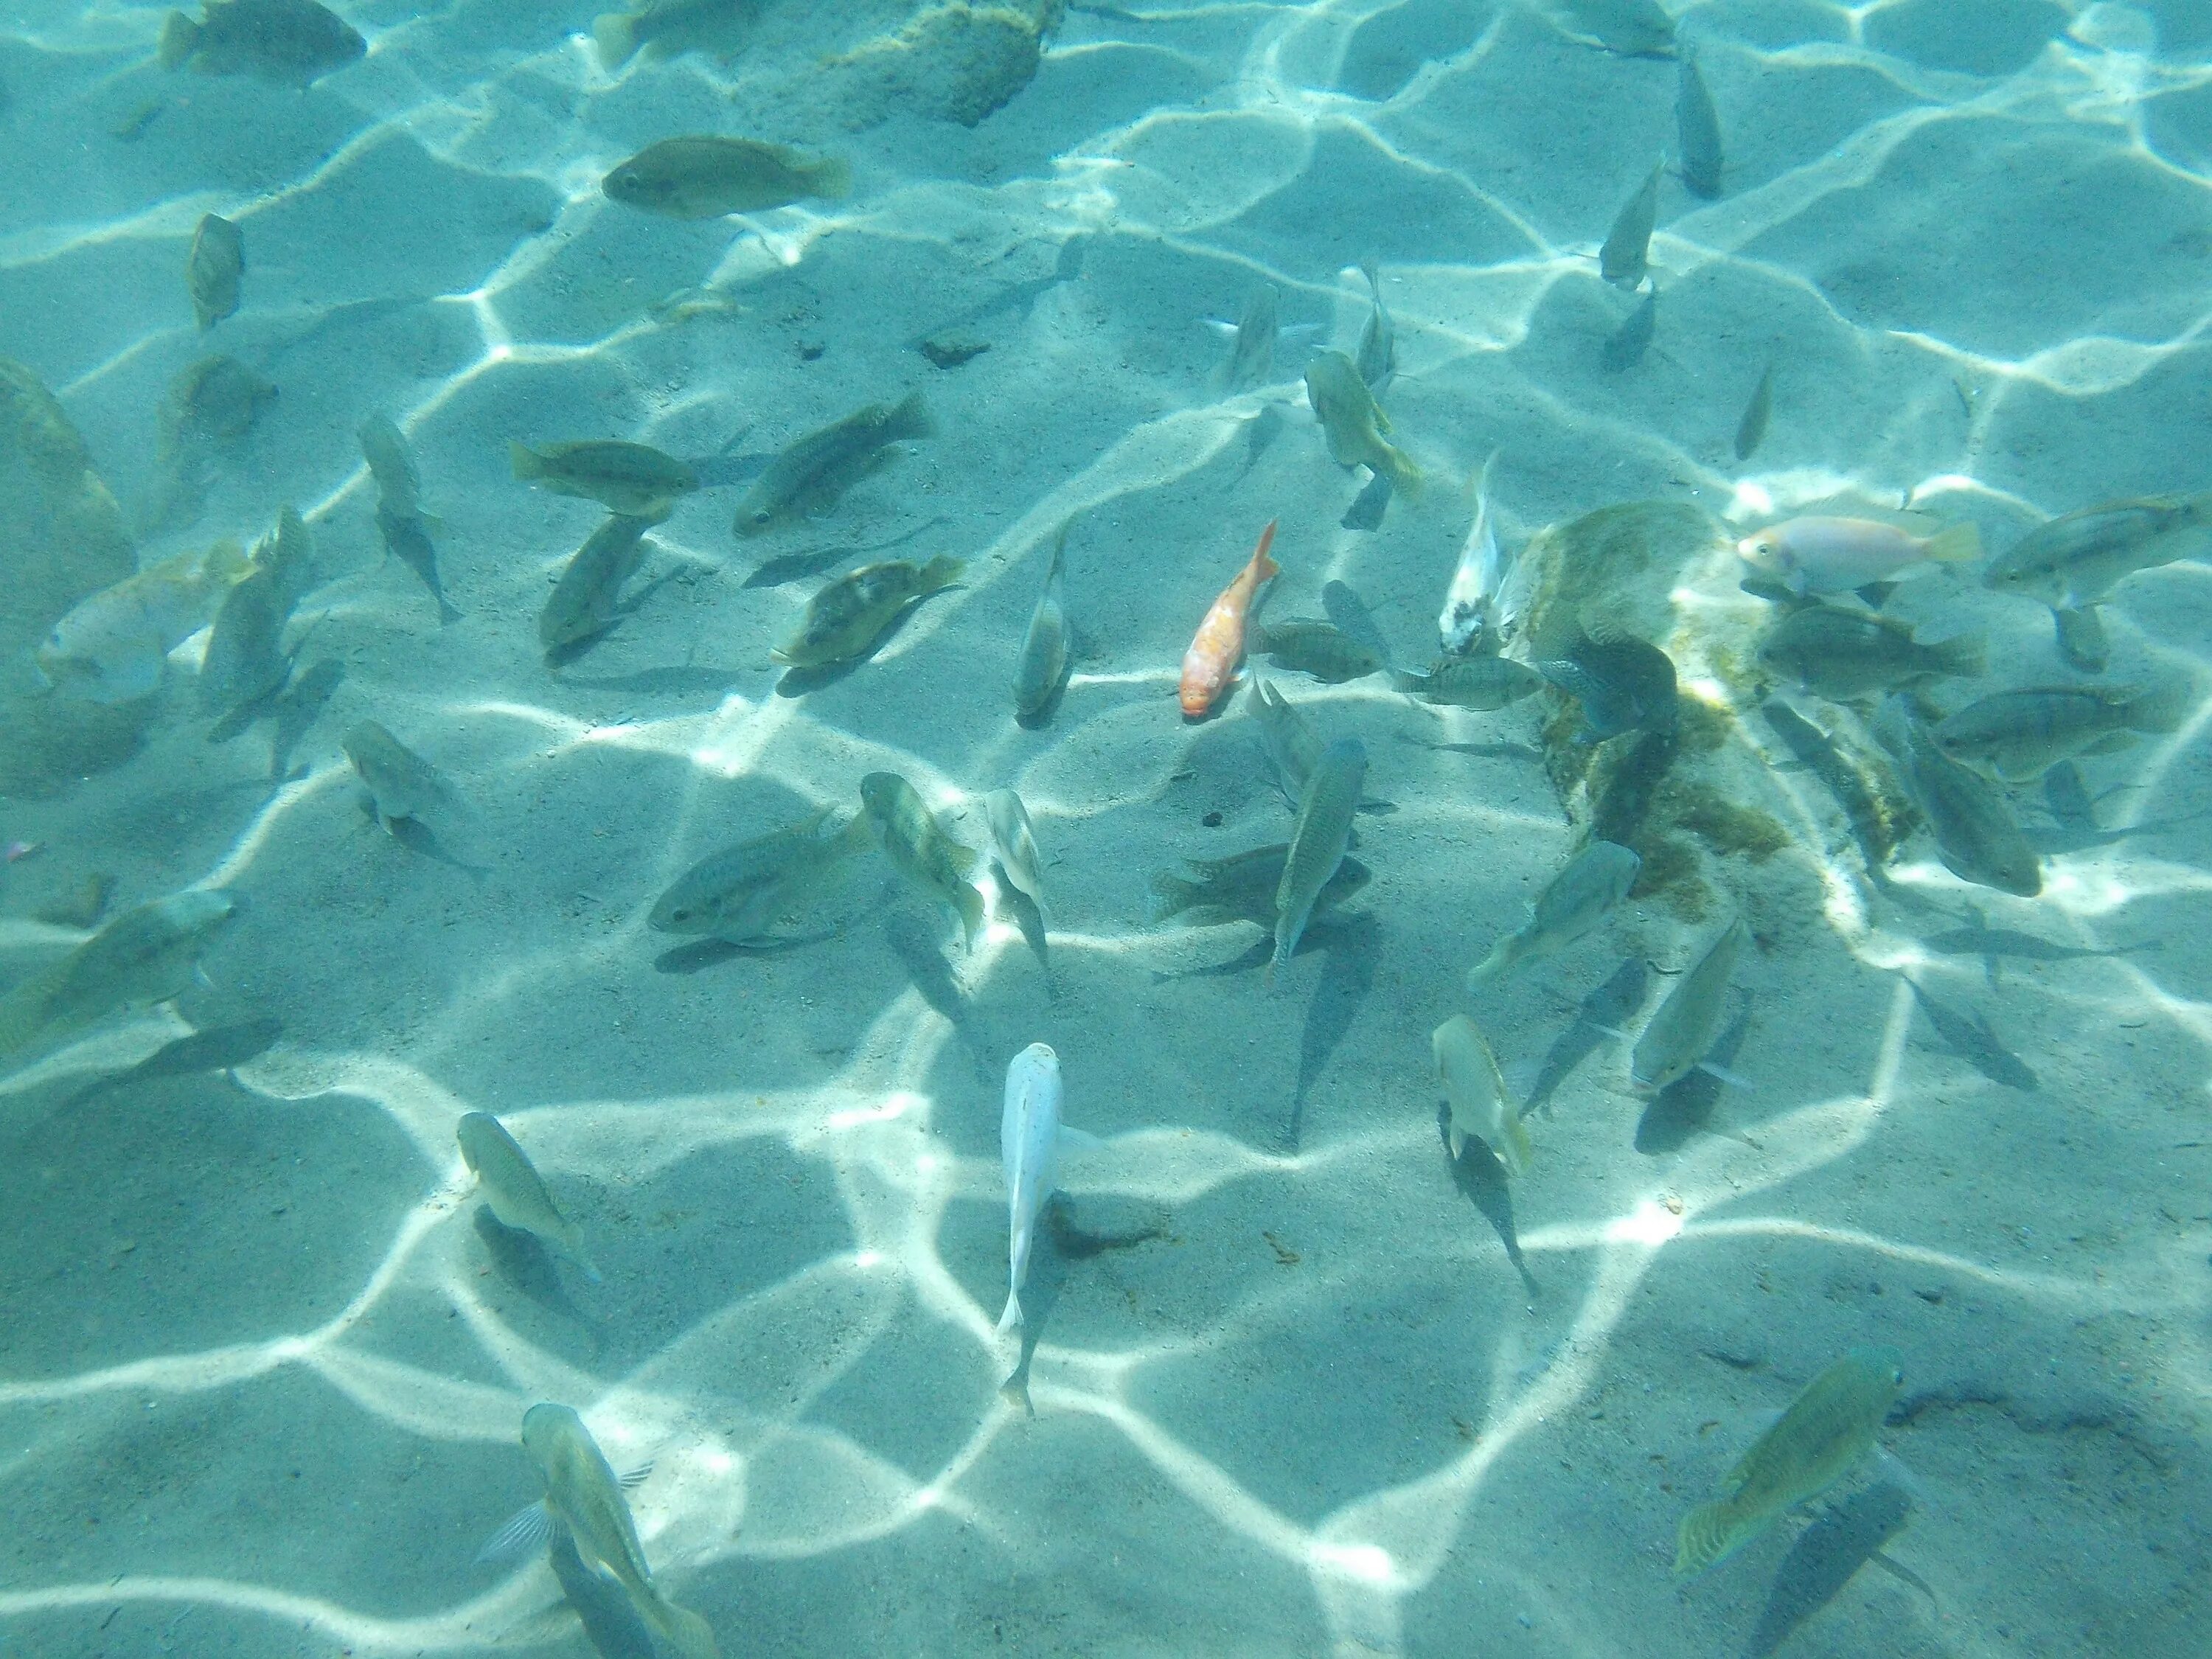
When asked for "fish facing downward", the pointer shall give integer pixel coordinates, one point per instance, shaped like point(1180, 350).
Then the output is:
point(1477, 576)
point(916, 843)
point(213, 269)
point(1219, 645)
point(1031, 1137)
point(1319, 843)
point(583, 1497)
point(514, 1191)
point(1043, 664)
point(1627, 254)
point(1572, 904)
point(1353, 423)
point(1683, 1027)
point(1829, 556)
point(1480, 1109)
point(1013, 843)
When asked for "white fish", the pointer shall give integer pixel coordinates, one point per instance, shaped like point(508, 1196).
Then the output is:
point(110, 647)
point(1031, 1137)
point(1481, 573)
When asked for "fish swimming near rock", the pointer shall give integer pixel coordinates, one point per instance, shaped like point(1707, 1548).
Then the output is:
point(810, 476)
point(1681, 1029)
point(583, 1498)
point(707, 177)
point(1242, 887)
point(1377, 356)
point(1622, 684)
point(1480, 1108)
point(1826, 1429)
point(1977, 836)
point(146, 955)
point(846, 619)
point(1625, 256)
point(1353, 423)
point(2017, 735)
point(743, 893)
point(2077, 559)
point(213, 269)
point(293, 42)
point(111, 646)
point(1319, 843)
point(1697, 131)
point(1573, 902)
point(1818, 554)
point(1032, 1138)
point(627, 478)
point(1485, 683)
point(1041, 667)
point(1841, 653)
point(918, 846)
point(1307, 645)
point(586, 601)
point(515, 1192)
point(1477, 577)
point(1219, 645)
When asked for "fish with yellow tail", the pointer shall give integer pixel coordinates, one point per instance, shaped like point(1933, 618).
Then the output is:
point(583, 1498)
point(1831, 555)
point(1218, 646)
point(1031, 1137)
point(1480, 1108)
point(1355, 423)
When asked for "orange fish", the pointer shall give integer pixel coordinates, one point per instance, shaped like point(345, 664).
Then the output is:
point(1219, 646)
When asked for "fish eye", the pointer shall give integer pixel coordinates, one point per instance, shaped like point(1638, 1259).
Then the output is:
point(761, 516)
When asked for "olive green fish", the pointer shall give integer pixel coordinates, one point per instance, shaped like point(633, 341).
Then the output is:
point(292, 42)
point(1472, 682)
point(810, 476)
point(213, 269)
point(145, 955)
point(1977, 836)
point(917, 844)
point(585, 602)
point(401, 783)
point(705, 177)
point(1480, 1108)
point(1682, 1027)
point(583, 1496)
point(2018, 735)
point(1573, 902)
point(1751, 430)
point(1828, 1428)
point(392, 464)
point(1355, 423)
point(1242, 888)
point(742, 893)
point(1288, 738)
point(666, 29)
point(848, 616)
point(636, 479)
point(407, 539)
point(514, 1190)
point(1319, 843)
point(1042, 665)
point(2077, 559)
point(245, 660)
point(1309, 646)
point(1839, 653)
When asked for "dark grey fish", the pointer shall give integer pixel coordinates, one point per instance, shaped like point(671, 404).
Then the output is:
point(1602, 1014)
point(2080, 638)
point(1967, 1033)
point(1625, 346)
point(1625, 256)
point(1367, 507)
point(1349, 612)
point(407, 539)
point(218, 1049)
point(1310, 645)
point(245, 660)
point(2054, 842)
point(1751, 430)
point(587, 599)
point(1622, 682)
point(1848, 777)
point(1697, 129)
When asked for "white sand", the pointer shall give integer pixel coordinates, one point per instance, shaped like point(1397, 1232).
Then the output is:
point(261, 1370)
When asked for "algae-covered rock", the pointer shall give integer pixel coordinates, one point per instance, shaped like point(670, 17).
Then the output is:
point(61, 538)
point(956, 62)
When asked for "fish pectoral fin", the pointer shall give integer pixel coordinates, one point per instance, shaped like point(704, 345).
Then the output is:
point(526, 1532)
point(1078, 1141)
point(633, 1479)
point(1722, 1075)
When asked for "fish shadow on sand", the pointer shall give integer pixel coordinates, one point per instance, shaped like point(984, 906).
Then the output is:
point(523, 1262)
point(914, 943)
point(1685, 1107)
point(1606, 1010)
point(1478, 1174)
point(1479, 751)
point(1825, 1557)
point(420, 839)
point(611, 1624)
point(700, 954)
point(1030, 920)
point(1354, 943)
point(1967, 1033)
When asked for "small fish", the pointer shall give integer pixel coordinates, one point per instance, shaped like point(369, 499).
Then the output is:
point(1625, 346)
point(1826, 1429)
point(1697, 132)
point(1251, 359)
point(1751, 430)
point(213, 269)
point(111, 646)
point(1477, 576)
point(1622, 682)
point(392, 464)
point(1219, 645)
point(809, 475)
point(1031, 1140)
point(1310, 645)
point(514, 1191)
point(1977, 836)
point(2076, 560)
point(2017, 735)
point(1354, 422)
point(917, 844)
point(401, 783)
point(1480, 1109)
point(1484, 683)
point(146, 955)
point(622, 476)
point(1634, 28)
point(1625, 256)
point(2080, 638)
point(407, 539)
point(1014, 844)
point(695, 177)
point(1831, 555)
point(1850, 775)
point(1242, 888)
point(219, 1048)
point(1287, 739)
point(741, 893)
point(583, 1497)
point(1377, 357)
point(245, 660)
point(585, 602)
point(848, 616)
point(1968, 1035)
point(668, 28)
point(1573, 902)
point(1042, 667)
point(212, 402)
point(1841, 653)
point(292, 42)
point(17, 851)
point(1682, 1027)
point(1319, 843)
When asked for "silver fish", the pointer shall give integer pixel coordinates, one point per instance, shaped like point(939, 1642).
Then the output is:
point(585, 602)
point(514, 1190)
point(1043, 664)
point(1572, 904)
point(1627, 254)
point(401, 783)
point(1976, 835)
point(1319, 843)
point(1014, 844)
point(2077, 559)
point(1377, 355)
point(392, 464)
point(2018, 735)
point(1251, 358)
point(1682, 1029)
point(1477, 576)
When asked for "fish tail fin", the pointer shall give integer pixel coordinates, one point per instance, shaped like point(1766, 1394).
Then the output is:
point(2162, 708)
point(525, 461)
point(446, 615)
point(1170, 893)
point(911, 419)
point(1516, 1151)
point(969, 904)
point(1708, 1534)
point(1965, 656)
point(179, 35)
point(615, 33)
point(833, 178)
point(1478, 482)
point(941, 572)
point(681, 1628)
point(1264, 566)
point(1503, 955)
point(1456, 1137)
point(1959, 544)
point(1405, 477)
point(1012, 1319)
